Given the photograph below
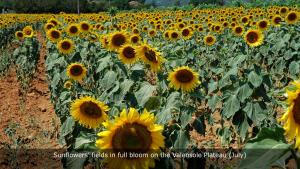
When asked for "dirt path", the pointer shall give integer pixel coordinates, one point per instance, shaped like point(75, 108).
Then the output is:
point(32, 125)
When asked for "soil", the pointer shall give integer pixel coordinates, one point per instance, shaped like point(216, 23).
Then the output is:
point(27, 125)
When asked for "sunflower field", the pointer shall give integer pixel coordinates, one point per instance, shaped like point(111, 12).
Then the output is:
point(129, 87)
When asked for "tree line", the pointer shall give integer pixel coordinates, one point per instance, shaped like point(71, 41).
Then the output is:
point(68, 6)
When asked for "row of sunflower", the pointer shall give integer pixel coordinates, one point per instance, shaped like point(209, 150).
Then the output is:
point(25, 57)
point(103, 70)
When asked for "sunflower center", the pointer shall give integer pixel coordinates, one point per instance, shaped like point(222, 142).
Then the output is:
point(167, 35)
point(128, 52)
point(184, 76)
point(49, 26)
point(85, 26)
point(134, 39)
point(91, 109)
point(185, 32)
point(73, 29)
point(55, 34)
point(54, 22)
point(277, 20)
point(252, 37)
point(135, 31)
point(20, 34)
point(151, 55)
point(238, 30)
point(262, 24)
point(152, 32)
point(292, 17)
point(76, 70)
point(245, 20)
point(174, 35)
point(296, 109)
point(283, 10)
point(134, 138)
point(28, 32)
point(66, 45)
point(209, 39)
point(118, 40)
point(217, 28)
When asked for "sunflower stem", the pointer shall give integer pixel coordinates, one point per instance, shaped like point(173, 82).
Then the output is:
point(297, 159)
point(181, 163)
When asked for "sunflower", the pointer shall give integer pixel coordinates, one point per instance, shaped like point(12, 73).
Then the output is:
point(150, 56)
point(53, 21)
point(186, 33)
point(167, 34)
point(292, 17)
point(66, 46)
point(131, 133)
point(76, 71)
point(291, 118)
point(54, 35)
point(263, 24)
point(174, 35)
point(245, 20)
point(276, 20)
point(28, 31)
point(183, 78)
point(84, 26)
point(19, 35)
point(254, 37)
point(73, 30)
point(104, 41)
point(93, 37)
point(117, 40)
point(127, 54)
point(218, 28)
point(238, 30)
point(152, 32)
point(135, 39)
point(48, 26)
point(283, 10)
point(89, 112)
point(209, 40)
point(68, 85)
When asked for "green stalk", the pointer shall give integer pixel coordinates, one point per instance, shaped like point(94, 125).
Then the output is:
point(297, 159)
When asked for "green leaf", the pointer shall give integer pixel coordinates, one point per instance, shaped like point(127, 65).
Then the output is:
point(182, 141)
point(185, 118)
point(153, 103)
point(244, 92)
point(199, 125)
point(249, 109)
point(212, 86)
point(172, 104)
point(68, 126)
point(109, 80)
point(231, 105)
point(238, 60)
point(263, 154)
point(286, 37)
point(213, 101)
point(74, 162)
point(104, 62)
point(81, 141)
point(144, 94)
point(255, 79)
point(294, 68)
point(275, 133)
point(265, 149)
